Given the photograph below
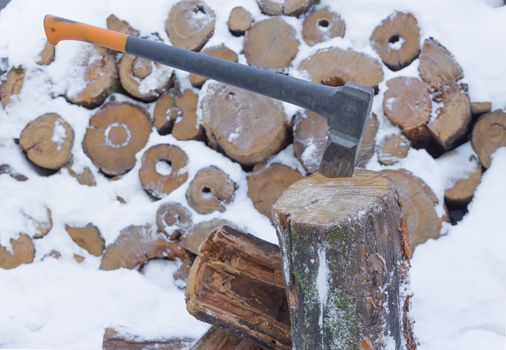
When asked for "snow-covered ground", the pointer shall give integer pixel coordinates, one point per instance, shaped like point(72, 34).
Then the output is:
point(458, 281)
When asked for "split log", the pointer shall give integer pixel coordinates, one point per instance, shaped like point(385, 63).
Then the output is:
point(397, 40)
point(310, 134)
point(220, 51)
point(479, 108)
point(337, 66)
point(114, 136)
point(8, 170)
point(12, 85)
point(393, 148)
point(47, 55)
point(142, 78)
point(267, 183)
point(87, 237)
point(190, 24)
point(322, 25)
point(84, 176)
point(40, 224)
point(47, 141)
point(21, 251)
point(284, 7)
point(239, 21)
point(282, 47)
point(115, 339)
point(236, 282)
point(200, 232)
point(421, 221)
point(223, 339)
point(163, 169)
point(342, 260)
point(210, 190)
point(489, 134)
point(437, 65)
point(247, 127)
point(462, 189)
point(100, 78)
point(174, 220)
point(118, 25)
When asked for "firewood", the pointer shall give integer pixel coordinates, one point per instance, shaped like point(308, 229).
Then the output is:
point(163, 169)
point(47, 55)
point(199, 233)
point(220, 51)
point(8, 170)
point(479, 108)
point(78, 258)
point(210, 190)
point(407, 104)
point(437, 65)
point(223, 339)
point(397, 40)
point(489, 134)
point(118, 25)
point(114, 136)
point(12, 86)
point(322, 25)
point(337, 66)
point(236, 282)
point(47, 141)
point(174, 220)
point(284, 7)
point(190, 24)
point(40, 224)
point(282, 47)
point(142, 78)
point(418, 207)
point(462, 190)
point(340, 242)
point(239, 21)
point(267, 183)
point(84, 176)
point(310, 133)
point(115, 339)
point(247, 127)
point(21, 251)
point(393, 148)
point(87, 237)
point(100, 77)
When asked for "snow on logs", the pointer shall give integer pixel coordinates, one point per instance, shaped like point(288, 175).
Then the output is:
point(239, 21)
point(21, 251)
point(489, 134)
point(12, 85)
point(46, 55)
point(174, 220)
point(341, 247)
point(322, 25)
point(284, 7)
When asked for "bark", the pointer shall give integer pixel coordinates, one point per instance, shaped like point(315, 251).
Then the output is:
point(489, 134)
point(239, 21)
point(322, 25)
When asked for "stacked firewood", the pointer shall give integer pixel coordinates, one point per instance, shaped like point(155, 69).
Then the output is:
point(234, 280)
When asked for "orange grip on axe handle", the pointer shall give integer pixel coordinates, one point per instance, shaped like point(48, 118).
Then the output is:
point(58, 29)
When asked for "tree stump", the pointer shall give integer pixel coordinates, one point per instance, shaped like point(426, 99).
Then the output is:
point(47, 141)
point(236, 282)
point(239, 21)
point(284, 7)
point(437, 65)
point(118, 339)
point(397, 40)
point(118, 25)
point(87, 237)
point(223, 339)
point(199, 233)
point(12, 86)
point(489, 134)
point(20, 252)
point(392, 149)
point(322, 25)
point(46, 56)
point(340, 242)
point(275, 36)
point(190, 24)
point(220, 51)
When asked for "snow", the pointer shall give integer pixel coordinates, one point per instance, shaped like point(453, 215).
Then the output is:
point(59, 134)
point(322, 282)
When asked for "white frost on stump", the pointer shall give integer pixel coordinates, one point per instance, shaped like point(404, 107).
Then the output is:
point(59, 134)
point(322, 283)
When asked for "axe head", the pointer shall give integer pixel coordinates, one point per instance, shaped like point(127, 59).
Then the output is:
point(347, 113)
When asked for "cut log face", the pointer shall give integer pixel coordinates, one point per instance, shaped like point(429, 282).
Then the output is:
point(142, 78)
point(479, 108)
point(397, 40)
point(310, 134)
point(340, 242)
point(200, 232)
point(115, 134)
point(418, 207)
point(12, 86)
point(8, 170)
point(437, 65)
point(100, 77)
point(220, 51)
point(223, 339)
point(87, 237)
point(47, 55)
point(247, 127)
point(239, 21)
point(21, 251)
point(210, 190)
point(462, 191)
point(489, 134)
point(173, 219)
point(407, 104)
point(118, 25)
point(190, 24)
point(41, 224)
point(47, 141)
point(284, 7)
point(236, 282)
point(121, 340)
point(274, 36)
point(337, 66)
point(163, 169)
point(392, 149)
point(84, 177)
point(321, 26)
point(267, 184)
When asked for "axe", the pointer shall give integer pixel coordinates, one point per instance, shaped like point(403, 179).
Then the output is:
point(346, 108)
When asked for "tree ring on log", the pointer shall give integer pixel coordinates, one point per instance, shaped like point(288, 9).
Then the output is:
point(220, 51)
point(392, 148)
point(321, 26)
point(438, 66)
point(22, 251)
point(47, 141)
point(173, 219)
point(12, 85)
point(239, 21)
point(284, 7)
point(489, 134)
point(114, 136)
point(163, 169)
